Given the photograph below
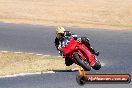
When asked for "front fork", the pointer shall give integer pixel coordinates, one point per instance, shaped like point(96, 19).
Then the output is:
point(82, 57)
point(90, 62)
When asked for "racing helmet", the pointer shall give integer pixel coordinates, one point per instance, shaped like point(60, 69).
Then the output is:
point(60, 32)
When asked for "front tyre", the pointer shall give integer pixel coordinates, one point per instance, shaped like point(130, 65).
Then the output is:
point(82, 63)
point(97, 64)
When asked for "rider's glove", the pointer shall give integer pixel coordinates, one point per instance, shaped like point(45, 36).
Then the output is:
point(79, 40)
point(75, 37)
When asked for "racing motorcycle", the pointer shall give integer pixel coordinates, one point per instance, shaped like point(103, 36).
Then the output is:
point(80, 54)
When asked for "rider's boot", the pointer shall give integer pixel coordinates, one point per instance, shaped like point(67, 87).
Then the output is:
point(68, 61)
point(85, 41)
point(94, 52)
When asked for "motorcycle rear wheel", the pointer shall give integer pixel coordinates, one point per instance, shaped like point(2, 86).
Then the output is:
point(83, 64)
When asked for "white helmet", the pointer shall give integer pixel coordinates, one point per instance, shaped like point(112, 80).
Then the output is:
point(59, 31)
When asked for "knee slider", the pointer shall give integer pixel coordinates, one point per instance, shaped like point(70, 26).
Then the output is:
point(84, 39)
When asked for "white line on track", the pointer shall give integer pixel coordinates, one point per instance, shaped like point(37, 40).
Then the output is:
point(39, 54)
point(46, 55)
point(25, 74)
point(4, 51)
point(30, 53)
point(59, 56)
point(18, 52)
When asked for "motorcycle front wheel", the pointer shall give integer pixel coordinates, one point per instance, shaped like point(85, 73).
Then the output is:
point(81, 62)
point(97, 65)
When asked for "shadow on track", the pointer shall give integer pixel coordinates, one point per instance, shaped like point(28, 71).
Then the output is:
point(65, 70)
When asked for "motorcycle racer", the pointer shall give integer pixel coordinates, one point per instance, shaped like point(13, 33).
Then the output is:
point(61, 34)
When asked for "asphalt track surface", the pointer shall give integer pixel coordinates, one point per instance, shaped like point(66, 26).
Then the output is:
point(115, 48)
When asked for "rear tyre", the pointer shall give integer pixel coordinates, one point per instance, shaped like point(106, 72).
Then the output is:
point(83, 64)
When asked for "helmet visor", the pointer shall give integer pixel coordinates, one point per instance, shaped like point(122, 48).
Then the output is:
point(60, 35)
